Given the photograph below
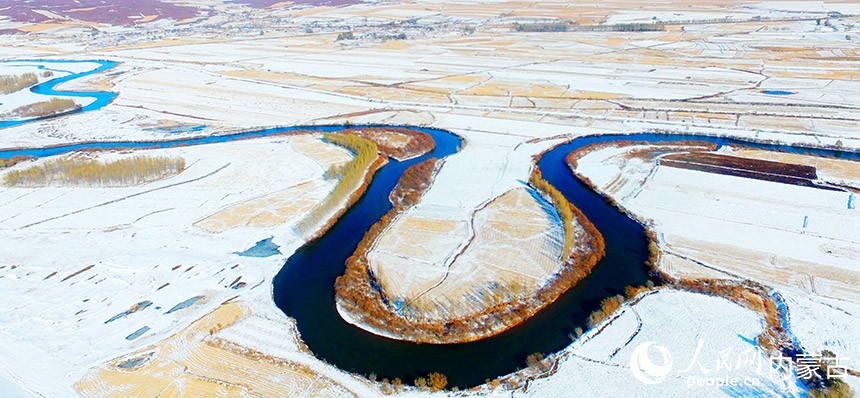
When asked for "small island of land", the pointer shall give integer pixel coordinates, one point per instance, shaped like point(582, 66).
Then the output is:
point(414, 278)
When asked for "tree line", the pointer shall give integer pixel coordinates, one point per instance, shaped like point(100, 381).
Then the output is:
point(562, 205)
point(79, 171)
point(561, 26)
point(349, 175)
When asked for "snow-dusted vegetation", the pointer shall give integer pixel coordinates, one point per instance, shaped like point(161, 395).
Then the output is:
point(83, 171)
point(13, 83)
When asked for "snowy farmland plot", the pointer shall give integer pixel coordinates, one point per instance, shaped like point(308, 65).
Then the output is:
point(799, 239)
point(180, 214)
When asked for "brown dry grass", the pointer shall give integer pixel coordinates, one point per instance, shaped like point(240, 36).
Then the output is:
point(11, 84)
point(45, 108)
point(834, 168)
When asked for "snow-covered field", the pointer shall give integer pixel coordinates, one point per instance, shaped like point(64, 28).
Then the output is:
point(12, 101)
point(800, 240)
point(511, 95)
point(510, 248)
point(707, 340)
point(90, 254)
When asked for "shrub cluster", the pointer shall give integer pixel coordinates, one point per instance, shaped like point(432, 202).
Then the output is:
point(4, 163)
point(393, 386)
point(413, 182)
point(45, 108)
point(11, 84)
point(538, 362)
point(433, 382)
point(607, 307)
point(437, 381)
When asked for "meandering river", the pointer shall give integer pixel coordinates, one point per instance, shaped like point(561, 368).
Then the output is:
point(49, 88)
point(304, 287)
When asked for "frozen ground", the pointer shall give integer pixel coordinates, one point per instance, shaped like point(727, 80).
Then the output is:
point(498, 89)
point(701, 342)
point(236, 350)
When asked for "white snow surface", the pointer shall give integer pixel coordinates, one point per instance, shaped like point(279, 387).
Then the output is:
point(680, 322)
point(12, 101)
point(48, 234)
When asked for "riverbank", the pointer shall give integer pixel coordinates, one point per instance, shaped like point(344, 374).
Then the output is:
point(497, 88)
point(369, 298)
point(701, 260)
point(43, 101)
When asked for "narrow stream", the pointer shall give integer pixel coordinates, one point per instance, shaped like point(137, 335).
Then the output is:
point(49, 88)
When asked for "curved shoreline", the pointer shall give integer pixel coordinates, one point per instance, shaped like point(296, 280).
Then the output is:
point(357, 351)
point(371, 170)
point(750, 294)
point(492, 321)
point(48, 89)
point(303, 292)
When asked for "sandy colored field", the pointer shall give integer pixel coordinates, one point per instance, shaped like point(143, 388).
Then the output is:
point(284, 206)
point(267, 211)
point(197, 361)
point(513, 249)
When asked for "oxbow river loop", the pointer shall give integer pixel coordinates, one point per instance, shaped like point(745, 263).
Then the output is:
point(304, 287)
